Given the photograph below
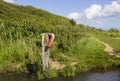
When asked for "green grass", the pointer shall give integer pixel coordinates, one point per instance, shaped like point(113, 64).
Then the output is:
point(68, 70)
point(113, 41)
point(20, 41)
point(90, 54)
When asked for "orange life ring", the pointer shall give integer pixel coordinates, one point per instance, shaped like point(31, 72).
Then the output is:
point(51, 40)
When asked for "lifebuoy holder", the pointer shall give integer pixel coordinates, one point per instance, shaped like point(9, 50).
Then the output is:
point(51, 39)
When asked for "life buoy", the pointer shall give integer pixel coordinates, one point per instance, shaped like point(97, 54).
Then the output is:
point(51, 40)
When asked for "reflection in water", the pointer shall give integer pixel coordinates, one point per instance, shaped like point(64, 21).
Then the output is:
point(16, 77)
point(88, 76)
point(92, 76)
point(108, 76)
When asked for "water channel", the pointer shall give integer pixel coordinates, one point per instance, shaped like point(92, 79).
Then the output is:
point(86, 76)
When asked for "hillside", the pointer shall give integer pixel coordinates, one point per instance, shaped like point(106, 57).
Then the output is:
point(77, 47)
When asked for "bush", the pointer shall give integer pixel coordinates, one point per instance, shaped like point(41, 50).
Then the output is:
point(68, 71)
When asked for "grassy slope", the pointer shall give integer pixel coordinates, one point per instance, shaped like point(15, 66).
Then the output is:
point(20, 41)
point(111, 38)
point(89, 52)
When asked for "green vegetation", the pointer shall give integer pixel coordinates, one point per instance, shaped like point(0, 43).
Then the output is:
point(20, 42)
point(111, 37)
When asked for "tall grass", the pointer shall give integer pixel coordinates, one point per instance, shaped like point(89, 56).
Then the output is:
point(20, 41)
point(112, 38)
point(90, 54)
point(68, 71)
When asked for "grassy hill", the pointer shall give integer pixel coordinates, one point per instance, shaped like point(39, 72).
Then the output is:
point(20, 42)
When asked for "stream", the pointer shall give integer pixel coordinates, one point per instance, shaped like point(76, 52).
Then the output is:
point(86, 76)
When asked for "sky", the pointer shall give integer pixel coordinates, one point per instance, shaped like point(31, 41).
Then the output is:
point(103, 14)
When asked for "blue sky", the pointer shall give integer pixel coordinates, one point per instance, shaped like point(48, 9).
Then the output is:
point(102, 14)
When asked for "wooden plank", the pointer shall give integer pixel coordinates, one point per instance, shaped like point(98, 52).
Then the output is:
point(45, 54)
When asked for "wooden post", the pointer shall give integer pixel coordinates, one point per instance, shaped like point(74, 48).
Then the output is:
point(45, 54)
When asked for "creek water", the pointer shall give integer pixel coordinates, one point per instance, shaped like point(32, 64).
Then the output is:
point(86, 76)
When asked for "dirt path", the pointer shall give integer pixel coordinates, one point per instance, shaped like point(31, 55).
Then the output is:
point(115, 38)
point(59, 66)
point(56, 64)
point(108, 48)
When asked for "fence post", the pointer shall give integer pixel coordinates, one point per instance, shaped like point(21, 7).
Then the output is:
point(45, 54)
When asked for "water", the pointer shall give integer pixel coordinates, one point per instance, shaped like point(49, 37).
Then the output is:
point(88, 76)
point(16, 77)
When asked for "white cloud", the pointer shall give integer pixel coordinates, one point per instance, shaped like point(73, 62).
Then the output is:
point(93, 11)
point(97, 11)
point(75, 15)
point(112, 9)
point(9, 1)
